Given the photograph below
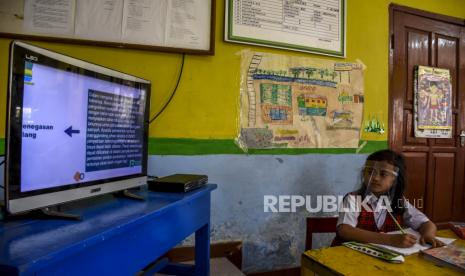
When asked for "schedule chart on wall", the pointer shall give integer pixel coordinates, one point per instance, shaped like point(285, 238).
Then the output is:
point(303, 25)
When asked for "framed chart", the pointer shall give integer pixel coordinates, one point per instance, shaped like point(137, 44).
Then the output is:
point(313, 26)
point(163, 25)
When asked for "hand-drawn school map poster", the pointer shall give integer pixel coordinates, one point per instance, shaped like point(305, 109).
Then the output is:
point(296, 102)
point(432, 103)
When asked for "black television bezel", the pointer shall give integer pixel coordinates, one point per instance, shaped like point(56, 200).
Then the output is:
point(18, 56)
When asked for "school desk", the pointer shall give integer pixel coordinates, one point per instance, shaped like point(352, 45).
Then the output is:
point(115, 237)
point(341, 260)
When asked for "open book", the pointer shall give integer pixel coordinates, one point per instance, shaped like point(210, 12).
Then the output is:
point(415, 248)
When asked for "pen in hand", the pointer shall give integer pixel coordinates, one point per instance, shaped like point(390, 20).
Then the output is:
point(407, 240)
point(397, 223)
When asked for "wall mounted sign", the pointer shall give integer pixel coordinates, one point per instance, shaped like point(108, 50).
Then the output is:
point(162, 25)
point(305, 25)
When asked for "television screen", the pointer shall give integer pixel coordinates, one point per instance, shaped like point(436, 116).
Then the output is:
point(74, 129)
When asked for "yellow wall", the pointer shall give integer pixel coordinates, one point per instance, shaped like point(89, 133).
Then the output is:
point(205, 105)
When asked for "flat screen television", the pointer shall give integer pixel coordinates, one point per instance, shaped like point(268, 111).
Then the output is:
point(74, 129)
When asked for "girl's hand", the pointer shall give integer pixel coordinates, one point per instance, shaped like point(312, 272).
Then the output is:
point(402, 240)
point(431, 240)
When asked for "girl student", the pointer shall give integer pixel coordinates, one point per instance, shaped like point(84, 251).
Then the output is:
point(381, 207)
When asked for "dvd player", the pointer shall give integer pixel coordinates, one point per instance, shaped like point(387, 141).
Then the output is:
point(177, 183)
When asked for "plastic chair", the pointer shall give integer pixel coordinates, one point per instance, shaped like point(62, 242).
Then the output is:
point(319, 225)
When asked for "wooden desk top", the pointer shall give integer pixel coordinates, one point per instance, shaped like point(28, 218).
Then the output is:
point(341, 260)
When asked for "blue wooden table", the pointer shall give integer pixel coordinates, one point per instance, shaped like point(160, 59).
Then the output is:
point(115, 237)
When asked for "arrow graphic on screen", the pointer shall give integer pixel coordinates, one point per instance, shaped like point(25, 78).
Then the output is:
point(70, 131)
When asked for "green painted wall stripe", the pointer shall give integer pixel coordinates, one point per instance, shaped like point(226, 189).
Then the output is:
point(373, 146)
point(179, 146)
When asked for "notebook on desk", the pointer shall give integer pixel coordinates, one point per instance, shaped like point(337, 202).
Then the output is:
point(415, 248)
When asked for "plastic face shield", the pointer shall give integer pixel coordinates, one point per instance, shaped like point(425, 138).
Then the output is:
point(383, 171)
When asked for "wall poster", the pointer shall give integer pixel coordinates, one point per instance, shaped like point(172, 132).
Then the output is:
point(296, 102)
point(432, 102)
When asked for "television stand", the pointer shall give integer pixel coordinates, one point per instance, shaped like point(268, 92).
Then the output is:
point(128, 194)
point(44, 213)
point(47, 213)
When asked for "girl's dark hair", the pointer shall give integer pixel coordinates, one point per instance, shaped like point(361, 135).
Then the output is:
point(395, 159)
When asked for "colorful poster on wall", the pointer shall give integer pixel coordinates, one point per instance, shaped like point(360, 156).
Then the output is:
point(432, 102)
point(297, 102)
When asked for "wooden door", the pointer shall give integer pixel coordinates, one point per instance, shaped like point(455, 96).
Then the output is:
point(435, 167)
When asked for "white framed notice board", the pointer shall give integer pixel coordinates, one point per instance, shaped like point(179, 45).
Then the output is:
point(315, 26)
point(162, 25)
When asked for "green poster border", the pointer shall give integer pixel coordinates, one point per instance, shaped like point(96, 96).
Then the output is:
point(233, 38)
point(183, 146)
